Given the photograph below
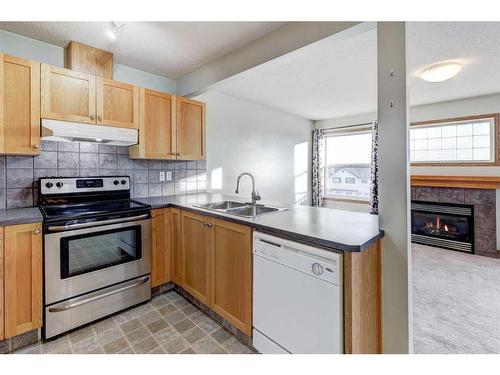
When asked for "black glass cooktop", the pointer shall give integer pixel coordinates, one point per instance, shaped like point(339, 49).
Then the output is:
point(90, 209)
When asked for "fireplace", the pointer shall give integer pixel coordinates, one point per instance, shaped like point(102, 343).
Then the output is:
point(450, 226)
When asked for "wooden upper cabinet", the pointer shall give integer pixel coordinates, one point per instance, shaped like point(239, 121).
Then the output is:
point(117, 104)
point(175, 235)
point(161, 247)
point(67, 95)
point(86, 59)
point(196, 249)
point(19, 106)
point(190, 138)
point(156, 126)
point(231, 273)
point(23, 278)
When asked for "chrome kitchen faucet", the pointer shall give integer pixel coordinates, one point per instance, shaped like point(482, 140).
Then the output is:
point(255, 195)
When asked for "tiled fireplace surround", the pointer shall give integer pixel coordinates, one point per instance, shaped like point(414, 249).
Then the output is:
point(484, 202)
point(19, 174)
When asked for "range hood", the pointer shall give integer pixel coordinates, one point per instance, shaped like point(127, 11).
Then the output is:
point(54, 130)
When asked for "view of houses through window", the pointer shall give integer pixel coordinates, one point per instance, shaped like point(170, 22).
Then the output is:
point(347, 164)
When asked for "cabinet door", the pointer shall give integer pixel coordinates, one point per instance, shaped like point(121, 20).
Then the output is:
point(196, 245)
point(67, 95)
point(103, 63)
point(86, 59)
point(160, 249)
point(23, 278)
point(190, 129)
point(156, 130)
point(2, 307)
point(231, 272)
point(117, 104)
point(175, 234)
point(20, 102)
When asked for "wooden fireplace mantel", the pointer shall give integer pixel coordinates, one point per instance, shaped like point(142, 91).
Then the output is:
point(468, 182)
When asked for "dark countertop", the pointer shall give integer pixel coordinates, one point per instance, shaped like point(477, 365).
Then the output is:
point(20, 216)
point(330, 228)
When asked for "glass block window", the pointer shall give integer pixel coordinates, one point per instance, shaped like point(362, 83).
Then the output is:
point(464, 141)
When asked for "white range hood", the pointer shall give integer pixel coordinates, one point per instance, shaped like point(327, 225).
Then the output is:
point(54, 130)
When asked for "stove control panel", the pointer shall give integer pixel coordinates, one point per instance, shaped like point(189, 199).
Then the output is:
point(68, 185)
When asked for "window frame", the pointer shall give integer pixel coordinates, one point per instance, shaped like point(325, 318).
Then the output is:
point(461, 163)
point(339, 131)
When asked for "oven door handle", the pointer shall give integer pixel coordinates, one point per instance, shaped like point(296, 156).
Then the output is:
point(79, 302)
point(60, 228)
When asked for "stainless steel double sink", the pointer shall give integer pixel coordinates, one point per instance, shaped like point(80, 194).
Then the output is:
point(240, 208)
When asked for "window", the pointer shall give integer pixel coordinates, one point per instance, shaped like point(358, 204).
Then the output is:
point(347, 163)
point(464, 140)
point(350, 180)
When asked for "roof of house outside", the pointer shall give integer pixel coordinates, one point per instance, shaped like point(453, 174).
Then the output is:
point(357, 170)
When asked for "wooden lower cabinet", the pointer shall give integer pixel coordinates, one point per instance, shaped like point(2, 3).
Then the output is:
point(217, 266)
point(22, 278)
point(2, 306)
point(160, 247)
point(231, 273)
point(196, 244)
point(175, 232)
point(362, 301)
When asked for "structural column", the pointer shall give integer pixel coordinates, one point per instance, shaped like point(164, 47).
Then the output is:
point(394, 187)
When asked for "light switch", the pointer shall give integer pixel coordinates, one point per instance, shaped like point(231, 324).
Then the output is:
point(168, 175)
point(162, 176)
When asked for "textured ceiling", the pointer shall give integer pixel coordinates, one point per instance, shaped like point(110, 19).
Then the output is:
point(338, 78)
point(170, 49)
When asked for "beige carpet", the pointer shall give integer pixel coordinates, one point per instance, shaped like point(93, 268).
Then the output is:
point(456, 302)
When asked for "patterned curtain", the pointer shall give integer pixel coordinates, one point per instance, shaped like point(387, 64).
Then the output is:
point(318, 166)
point(374, 171)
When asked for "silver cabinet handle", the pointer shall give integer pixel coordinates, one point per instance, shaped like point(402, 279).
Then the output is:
point(79, 302)
point(36, 231)
point(92, 117)
point(60, 228)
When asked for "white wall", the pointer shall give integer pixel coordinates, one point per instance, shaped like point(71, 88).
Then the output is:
point(394, 190)
point(21, 46)
point(246, 137)
point(454, 108)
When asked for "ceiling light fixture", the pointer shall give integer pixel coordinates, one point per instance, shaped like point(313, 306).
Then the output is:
point(112, 33)
point(441, 72)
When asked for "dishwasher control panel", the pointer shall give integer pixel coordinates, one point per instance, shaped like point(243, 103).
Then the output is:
point(317, 262)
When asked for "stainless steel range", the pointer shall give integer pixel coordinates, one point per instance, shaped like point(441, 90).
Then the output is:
point(97, 250)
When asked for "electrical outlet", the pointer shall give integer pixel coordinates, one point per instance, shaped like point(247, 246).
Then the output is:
point(168, 175)
point(162, 176)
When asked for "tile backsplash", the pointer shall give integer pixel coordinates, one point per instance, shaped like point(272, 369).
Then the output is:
point(19, 174)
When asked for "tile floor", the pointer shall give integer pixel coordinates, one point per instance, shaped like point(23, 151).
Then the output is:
point(166, 324)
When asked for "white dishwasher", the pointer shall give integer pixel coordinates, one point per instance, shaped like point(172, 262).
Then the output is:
point(297, 297)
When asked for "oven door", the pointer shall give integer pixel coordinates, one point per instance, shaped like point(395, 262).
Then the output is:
point(82, 260)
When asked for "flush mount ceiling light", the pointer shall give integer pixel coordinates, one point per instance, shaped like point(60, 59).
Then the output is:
point(112, 33)
point(441, 72)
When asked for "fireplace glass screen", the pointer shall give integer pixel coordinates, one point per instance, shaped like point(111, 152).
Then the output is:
point(443, 225)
